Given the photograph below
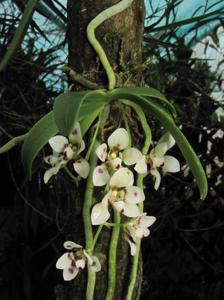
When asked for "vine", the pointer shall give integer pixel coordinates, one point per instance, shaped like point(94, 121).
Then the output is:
point(99, 19)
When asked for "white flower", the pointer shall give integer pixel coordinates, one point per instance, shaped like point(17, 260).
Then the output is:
point(157, 158)
point(123, 196)
point(71, 262)
point(112, 158)
point(138, 228)
point(65, 150)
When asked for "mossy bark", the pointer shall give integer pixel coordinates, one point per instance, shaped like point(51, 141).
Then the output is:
point(121, 38)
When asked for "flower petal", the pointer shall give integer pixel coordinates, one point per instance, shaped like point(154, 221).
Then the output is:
point(159, 150)
point(99, 214)
point(171, 164)
point(100, 176)
point(63, 262)
point(58, 143)
point(96, 265)
point(131, 156)
point(101, 152)
point(71, 245)
point(118, 139)
point(51, 159)
point(51, 172)
point(146, 232)
point(82, 146)
point(139, 233)
point(68, 153)
point(115, 163)
point(131, 210)
point(106, 198)
point(75, 136)
point(119, 206)
point(142, 232)
point(146, 221)
point(141, 166)
point(168, 139)
point(133, 248)
point(80, 263)
point(70, 273)
point(155, 173)
point(134, 194)
point(122, 178)
point(81, 166)
point(156, 161)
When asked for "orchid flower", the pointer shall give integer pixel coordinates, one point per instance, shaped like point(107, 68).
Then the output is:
point(74, 260)
point(137, 229)
point(123, 196)
point(111, 156)
point(157, 158)
point(65, 150)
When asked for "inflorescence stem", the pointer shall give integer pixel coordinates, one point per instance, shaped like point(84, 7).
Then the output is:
point(148, 139)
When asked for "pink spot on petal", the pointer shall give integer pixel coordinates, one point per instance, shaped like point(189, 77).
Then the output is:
point(135, 194)
point(117, 166)
point(71, 270)
point(100, 171)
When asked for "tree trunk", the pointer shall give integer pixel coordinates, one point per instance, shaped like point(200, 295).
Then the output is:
point(121, 37)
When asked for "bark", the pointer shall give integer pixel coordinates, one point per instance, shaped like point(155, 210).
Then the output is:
point(121, 38)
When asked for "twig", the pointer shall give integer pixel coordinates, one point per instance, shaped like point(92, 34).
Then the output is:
point(80, 79)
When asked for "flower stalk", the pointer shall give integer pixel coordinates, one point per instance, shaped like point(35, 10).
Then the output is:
point(148, 139)
point(87, 222)
point(112, 264)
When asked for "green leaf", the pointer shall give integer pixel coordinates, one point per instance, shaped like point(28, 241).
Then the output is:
point(146, 92)
point(86, 122)
point(37, 138)
point(165, 118)
point(19, 33)
point(174, 25)
point(74, 106)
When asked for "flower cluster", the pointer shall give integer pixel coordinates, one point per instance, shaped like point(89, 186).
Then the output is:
point(119, 161)
point(117, 157)
point(65, 150)
point(157, 158)
point(75, 259)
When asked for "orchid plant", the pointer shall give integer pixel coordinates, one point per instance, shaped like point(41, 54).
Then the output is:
point(122, 169)
point(114, 171)
point(121, 193)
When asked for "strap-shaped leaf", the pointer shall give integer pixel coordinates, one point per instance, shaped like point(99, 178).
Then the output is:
point(165, 118)
point(74, 106)
point(146, 92)
point(37, 138)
